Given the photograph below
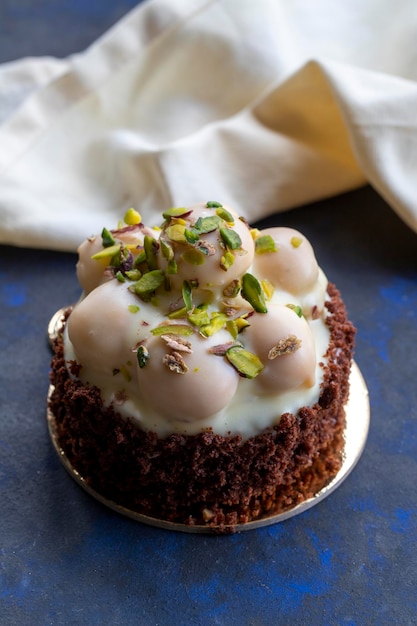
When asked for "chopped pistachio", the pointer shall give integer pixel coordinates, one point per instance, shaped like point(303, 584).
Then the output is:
point(199, 316)
point(225, 215)
point(172, 267)
point(175, 363)
point(186, 295)
point(222, 348)
point(216, 323)
point(227, 260)
point(108, 252)
point(166, 249)
point(206, 224)
point(123, 257)
point(191, 235)
point(231, 326)
point(133, 274)
point(172, 329)
point(142, 355)
point(133, 308)
point(178, 313)
point(268, 288)
point(232, 290)
point(242, 323)
point(289, 345)
point(296, 242)
point(246, 363)
point(255, 233)
point(120, 277)
point(212, 204)
point(253, 293)
point(107, 238)
point(230, 238)
point(175, 342)
point(141, 257)
point(193, 257)
point(236, 325)
point(175, 212)
point(265, 244)
point(132, 217)
point(175, 232)
point(151, 247)
point(297, 309)
point(205, 247)
point(149, 282)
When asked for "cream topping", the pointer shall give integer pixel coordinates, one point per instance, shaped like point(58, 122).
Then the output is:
point(188, 327)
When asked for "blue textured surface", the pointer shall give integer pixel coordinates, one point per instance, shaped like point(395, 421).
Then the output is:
point(67, 560)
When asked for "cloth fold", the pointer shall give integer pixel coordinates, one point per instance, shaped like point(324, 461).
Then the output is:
point(264, 106)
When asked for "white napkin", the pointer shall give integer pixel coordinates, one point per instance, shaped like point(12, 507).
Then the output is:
point(262, 105)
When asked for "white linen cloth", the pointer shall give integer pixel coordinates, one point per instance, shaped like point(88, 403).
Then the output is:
point(262, 105)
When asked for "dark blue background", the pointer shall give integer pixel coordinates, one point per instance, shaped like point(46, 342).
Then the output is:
point(65, 559)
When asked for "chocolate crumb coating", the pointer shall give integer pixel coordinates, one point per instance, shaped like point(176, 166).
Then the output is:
point(208, 479)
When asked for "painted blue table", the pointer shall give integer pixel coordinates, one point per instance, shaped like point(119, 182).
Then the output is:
point(351, 560)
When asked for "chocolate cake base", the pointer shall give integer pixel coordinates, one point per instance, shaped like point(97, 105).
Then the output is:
point(208, 479)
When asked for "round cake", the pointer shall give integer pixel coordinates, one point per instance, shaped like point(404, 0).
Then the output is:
point(202, 377)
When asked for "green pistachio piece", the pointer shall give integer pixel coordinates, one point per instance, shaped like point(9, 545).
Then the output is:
point(191, 235)
point(265, 244)
point(206, 224)
point(225, 215)
point(151, 247)
point(108, 252)
point(227, 260)
point(120, 256)
point(296, 242)
point(178, 313)
point(236, 326)
point(107, 238)
point(133, 308)
point(230, 238)
point(246, 363)
point(199, 316)
point(120, 277)
point(297, 309)
point(186, 295)
point(212, 204)
point(149, 282)
point(231, 326)
point(216, 323)
point(175, 212)
point(142, 356)
point(268, 288)
point(172, 267)
point(232, 290)
point(133, 274)
point(166, 249)
point(175, 232)
point(253, 293)
point(172, 329)
point(141, 258)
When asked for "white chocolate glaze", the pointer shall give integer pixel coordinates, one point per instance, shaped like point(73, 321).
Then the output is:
point(185, 382)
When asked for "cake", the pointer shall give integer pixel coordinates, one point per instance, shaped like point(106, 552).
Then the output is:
point(202, 377)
